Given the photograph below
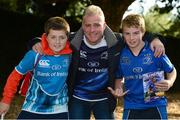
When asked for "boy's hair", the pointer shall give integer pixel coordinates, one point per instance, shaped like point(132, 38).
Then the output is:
point(94, 10)
point(134, 20)
point(56, 23)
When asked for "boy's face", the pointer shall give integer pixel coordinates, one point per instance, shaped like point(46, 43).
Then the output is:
point(133, 36)
point(93, 27)
point(57, 40)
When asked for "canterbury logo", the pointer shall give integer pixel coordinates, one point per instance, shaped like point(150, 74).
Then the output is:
point(44, 63)
point(83, 54)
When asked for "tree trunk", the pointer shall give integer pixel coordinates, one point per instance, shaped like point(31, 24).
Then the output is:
point(113, 10)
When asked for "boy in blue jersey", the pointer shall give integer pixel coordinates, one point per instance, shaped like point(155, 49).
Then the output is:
point(143, 74)
point(47, 96)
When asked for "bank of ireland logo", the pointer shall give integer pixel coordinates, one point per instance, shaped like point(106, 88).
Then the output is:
point(93, 64)
point(137, 69)
point(56, 67)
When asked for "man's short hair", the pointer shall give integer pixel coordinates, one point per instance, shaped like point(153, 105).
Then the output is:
point(94, 10)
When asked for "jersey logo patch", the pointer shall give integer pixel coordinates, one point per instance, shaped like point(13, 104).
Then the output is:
point(44, 63)
point(137, 69)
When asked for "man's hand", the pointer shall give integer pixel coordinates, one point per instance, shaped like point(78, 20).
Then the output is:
point(118, 92)
point(38, 48)
point(158, 47)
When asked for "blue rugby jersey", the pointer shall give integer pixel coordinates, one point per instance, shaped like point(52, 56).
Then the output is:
point(133, 67)
point(92, 74)
point(47, 93)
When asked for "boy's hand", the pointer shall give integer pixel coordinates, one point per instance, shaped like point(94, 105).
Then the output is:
point(4, 108)
point(118, 92)
point(163, 85)
point(158, 47)
point(38, 48)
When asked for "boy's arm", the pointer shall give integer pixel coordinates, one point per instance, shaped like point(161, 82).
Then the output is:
point(9, 91)
point(171, 77)
point(11, 86)
point(151, 36)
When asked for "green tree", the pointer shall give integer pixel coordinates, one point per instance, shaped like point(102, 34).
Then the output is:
point(163, 21)
point(113, 9)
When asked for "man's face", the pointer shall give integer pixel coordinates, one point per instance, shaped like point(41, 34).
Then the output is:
point(93, 27)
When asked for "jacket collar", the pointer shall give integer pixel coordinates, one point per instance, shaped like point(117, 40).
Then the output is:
point(110, 37)
point(108, 34)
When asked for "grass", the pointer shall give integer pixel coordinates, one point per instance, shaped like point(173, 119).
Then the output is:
point(172, 108)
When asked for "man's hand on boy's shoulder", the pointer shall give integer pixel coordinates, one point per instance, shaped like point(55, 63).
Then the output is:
point(38, 48)
point(32, 42)
point(72, 35)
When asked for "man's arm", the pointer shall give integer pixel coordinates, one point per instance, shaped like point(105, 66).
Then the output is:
point(157, 43)
point(32, 42)
point(118, 90)
point(151, 36)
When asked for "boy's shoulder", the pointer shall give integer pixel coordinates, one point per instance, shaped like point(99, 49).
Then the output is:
point(31, 53)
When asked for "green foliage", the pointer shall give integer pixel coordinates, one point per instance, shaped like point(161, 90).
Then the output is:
point(9, 4)
point(16, 5)
point(174, 29)
point(162, 20)
point(157, 22)
point(169, 5)
point(164, 23)
point(76, 9)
